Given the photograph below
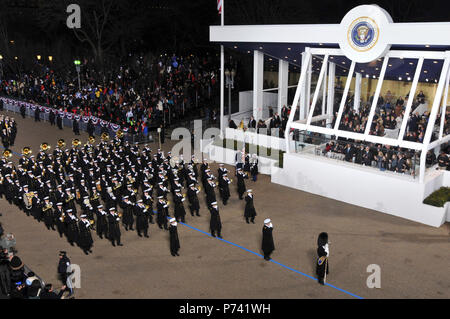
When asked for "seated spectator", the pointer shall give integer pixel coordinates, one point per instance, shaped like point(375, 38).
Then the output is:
point(48, 292)
point(34, 289)
point(443, 161)
point(431, 158)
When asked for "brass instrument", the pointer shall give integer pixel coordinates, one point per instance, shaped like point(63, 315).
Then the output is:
point(91, 140)
point(45, 147)
point(61, 143)
point(92, 222)
point(120, 215)
point(77, 194)
point(76, 142)
point(26, 151)
point(63, 216)
point(119, 133)
point(69, 199)
point(99, 187)
point(105, 136)
point(7, 153)
point(47, 207)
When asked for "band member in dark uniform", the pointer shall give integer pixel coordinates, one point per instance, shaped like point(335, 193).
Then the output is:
point(250, 211)
point(215, 223)
point(180, 212)
point(174, 240)
point(163, 212)
point(141, 218)
point(128, 210)
point(148, 202)
point(254, 167)
point(22, 110)
point(240, 182)
point(224, 188)
point(75, 127)
point(210, 192)
point(59, 121)
point(85, 238)
point(102, 222)
point(323, 252)
point(59, 219)
point(267, 239)
point(47, 213)
point(71, 223)
point(113, 227)
point(51, 118)
point(194, 205)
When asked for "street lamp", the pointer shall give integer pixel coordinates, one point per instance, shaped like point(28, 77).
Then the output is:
point(38, 57)
point(77, 67)
point(229, 84)
point(50, 58)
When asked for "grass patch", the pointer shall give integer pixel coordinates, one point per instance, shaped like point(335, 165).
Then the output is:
point(438, 198)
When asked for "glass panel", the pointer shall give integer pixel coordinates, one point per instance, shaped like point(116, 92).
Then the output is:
point(393, 99)
point(270, 78)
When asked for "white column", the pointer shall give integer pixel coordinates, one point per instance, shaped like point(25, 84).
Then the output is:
point(283, 76)
point(222, 89)
point(357, 97)
point(308, 90)
point(258, 78)
point(303, 91)
point(324, 90)
point(444, 107)
point(330, 97)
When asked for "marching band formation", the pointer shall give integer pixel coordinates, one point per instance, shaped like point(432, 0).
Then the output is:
point(113, 183)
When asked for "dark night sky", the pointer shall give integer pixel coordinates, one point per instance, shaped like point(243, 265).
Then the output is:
point(155, 25)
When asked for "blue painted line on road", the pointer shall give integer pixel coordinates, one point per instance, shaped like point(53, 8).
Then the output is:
point(275, 262)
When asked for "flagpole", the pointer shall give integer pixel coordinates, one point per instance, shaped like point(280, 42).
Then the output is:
point(222, 77)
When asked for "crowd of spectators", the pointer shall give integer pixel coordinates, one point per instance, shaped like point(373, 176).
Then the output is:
point(16, 280)
point(150, 92)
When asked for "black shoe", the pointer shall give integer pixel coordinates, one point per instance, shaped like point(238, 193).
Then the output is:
point(253, 221)
point(119, 244)
point(219, 236)
point(126, 228)
point(114, 244)
point(85, 252)
point(90, 250)
point(160, 227)
point(321, 282)
point(247, 222)
point(146, 236)
point(173, 254)
point(192, 214)
point(213, 235)
point(139, 235)
point(101, 237)
point(131, 228)
point(177, 254)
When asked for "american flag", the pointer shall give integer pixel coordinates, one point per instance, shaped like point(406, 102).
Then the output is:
point(219, 6)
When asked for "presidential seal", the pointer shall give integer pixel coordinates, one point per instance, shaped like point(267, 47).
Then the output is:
point(363, 34)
